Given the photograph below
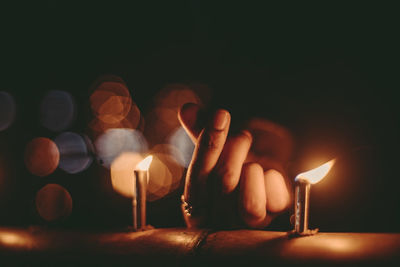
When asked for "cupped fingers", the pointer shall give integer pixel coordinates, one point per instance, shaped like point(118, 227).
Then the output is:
point(225, 179)
point(252, 196)
point(229, 165)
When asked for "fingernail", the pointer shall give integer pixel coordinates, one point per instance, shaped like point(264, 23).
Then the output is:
point(220, 119)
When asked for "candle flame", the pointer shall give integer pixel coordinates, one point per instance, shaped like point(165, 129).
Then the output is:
point(315, 175)
point(144, 164)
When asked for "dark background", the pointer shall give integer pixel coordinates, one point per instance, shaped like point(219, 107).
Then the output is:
point(329, 73)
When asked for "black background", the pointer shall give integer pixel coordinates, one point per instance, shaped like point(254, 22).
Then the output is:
point(327, 72)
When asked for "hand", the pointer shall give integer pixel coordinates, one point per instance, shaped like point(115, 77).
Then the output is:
point(228, 183)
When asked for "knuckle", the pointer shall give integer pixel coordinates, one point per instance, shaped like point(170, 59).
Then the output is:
point(212, 141)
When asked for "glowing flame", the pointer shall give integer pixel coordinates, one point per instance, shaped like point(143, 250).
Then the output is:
point(315, 175)
point(144, 164)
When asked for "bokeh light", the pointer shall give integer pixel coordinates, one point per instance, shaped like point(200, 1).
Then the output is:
point(114, 142)
point(41, 156)
point(184, 147)
point(160, 179)
point(165, 172)
point(175, 95)
point(162, 120)
point(53, 203)
point(112, 106)
point(111, 101)
point(122, 172)
point(58, 110)
point(7, 110)
point(131, 121)
point(74, 152)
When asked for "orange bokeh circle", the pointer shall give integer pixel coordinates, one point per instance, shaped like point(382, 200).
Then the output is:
point(41, 156)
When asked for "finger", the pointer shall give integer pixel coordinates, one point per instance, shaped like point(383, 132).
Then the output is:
point(208, 148)
point(225, 180)
point(252, 197)
point(266, 162)
point(277, 191)
point(229, 165)
point(189, 118)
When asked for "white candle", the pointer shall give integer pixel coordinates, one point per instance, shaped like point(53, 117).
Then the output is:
point(140, 180)
point(302, 196)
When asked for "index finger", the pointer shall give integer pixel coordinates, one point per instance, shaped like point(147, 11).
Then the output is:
point(208, 148)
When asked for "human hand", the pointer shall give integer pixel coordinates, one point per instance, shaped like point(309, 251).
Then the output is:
point(228, 183)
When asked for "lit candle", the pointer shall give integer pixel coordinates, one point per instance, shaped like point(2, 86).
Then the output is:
point(302, 196)
point(140, 180)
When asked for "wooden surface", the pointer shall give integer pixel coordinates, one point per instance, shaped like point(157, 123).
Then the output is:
point(183, 247)
point(247, 247)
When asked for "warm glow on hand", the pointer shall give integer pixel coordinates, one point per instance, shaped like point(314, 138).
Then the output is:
point(315, 175)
